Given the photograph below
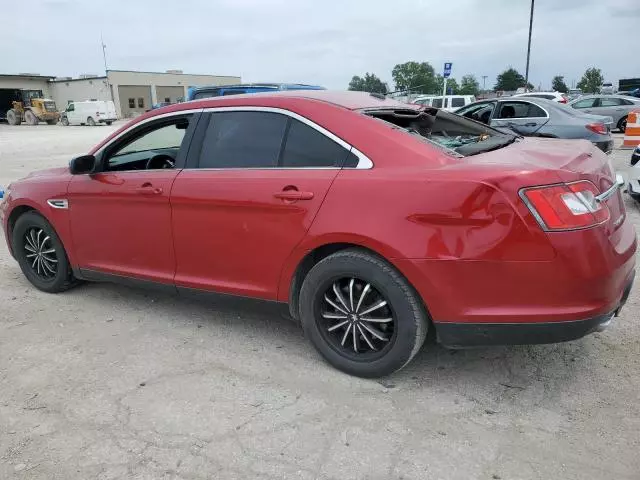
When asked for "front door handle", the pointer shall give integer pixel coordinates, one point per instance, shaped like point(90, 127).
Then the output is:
point(530, 124)
point(148, 189)
point(293, 195)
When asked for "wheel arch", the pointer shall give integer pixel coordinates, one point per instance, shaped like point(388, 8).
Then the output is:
point(294, 275)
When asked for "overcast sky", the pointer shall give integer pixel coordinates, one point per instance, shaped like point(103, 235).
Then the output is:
point(321, 42)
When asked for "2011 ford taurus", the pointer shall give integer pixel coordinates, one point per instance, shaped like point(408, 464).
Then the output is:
point(370, 220)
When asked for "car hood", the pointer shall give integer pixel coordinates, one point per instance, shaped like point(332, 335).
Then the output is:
point(50, 172)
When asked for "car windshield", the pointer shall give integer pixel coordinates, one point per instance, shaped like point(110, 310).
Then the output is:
point(456, 135)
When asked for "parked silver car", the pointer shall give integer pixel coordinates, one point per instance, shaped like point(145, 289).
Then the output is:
point(615, 106)
point(538, 117)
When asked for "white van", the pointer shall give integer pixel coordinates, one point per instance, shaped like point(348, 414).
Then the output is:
point(451, 102)
point(90, 113)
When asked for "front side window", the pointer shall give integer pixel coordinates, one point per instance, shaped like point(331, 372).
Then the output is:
point(586, 103)
point(480, 112)
point(243, 140)
point(457, 102)
point(71, 107)
point(436, 102)
point(160, 142)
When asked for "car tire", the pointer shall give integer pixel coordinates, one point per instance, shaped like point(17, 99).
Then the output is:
point(64, 121)
point(108, 122)
point(91, 122)
point(355, 337)
point(40, 254)
point(30, 117)
point(13, 117)
point(622, 124)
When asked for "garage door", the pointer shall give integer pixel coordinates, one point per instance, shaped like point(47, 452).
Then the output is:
point(134, 99)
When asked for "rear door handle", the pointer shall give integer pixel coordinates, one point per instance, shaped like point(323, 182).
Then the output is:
point(531, 124)
point(293, 195)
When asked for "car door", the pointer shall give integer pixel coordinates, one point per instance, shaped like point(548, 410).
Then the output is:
point(255, 187)
point(612, 107)
point(523, 117)
point(120, 216)
point(71, 113)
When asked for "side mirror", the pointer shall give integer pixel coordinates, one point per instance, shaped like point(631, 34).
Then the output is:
point(82, 164)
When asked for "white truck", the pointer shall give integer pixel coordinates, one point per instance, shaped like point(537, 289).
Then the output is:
point(90, 112)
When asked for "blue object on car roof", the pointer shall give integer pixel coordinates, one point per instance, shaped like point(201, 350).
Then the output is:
point(195, 93)
point(1, 193)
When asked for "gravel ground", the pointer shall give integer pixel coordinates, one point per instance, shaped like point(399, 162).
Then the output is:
point(107, 382)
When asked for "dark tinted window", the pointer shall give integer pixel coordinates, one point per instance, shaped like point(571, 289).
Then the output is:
point(457, 102)
point(436, 102)
point(586, 103)
point(243, 140)
point(519, 110)
point(306, 147)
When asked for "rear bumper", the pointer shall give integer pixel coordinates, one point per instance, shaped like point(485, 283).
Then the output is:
point(606, 146)
point(463, 335)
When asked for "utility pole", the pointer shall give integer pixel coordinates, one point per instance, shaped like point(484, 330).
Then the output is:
point(484, 83)
point(526, 75)
point(106, 72)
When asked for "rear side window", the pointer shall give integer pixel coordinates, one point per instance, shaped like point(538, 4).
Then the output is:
point(206, 94)
point(306, 147)
point(243, 140)
point(520, 110)
point(611, 102)
point(457, 102)
point(267, 140)
point(586, 103)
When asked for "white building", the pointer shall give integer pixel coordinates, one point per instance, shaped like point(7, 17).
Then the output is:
point(132, 92)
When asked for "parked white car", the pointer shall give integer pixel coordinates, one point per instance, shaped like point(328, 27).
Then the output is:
point(451, 102)
point(90, 112)
point(553, 96)
point(607, 89)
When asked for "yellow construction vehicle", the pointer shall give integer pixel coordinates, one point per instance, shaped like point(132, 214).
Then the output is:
point(33, 109)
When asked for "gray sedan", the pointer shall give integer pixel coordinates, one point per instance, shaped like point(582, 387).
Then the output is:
point(537, 117)
point(615, 106)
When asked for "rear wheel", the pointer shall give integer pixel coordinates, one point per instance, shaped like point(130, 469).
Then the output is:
point(13, 117)
point(40, 254)
point(622, 124)
point(361, 314)
point(91, 122)
point(30, 117)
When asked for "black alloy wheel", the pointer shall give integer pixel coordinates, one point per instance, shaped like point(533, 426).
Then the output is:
point(361, 314)
point(40, 253)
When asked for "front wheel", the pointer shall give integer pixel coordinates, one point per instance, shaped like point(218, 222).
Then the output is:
point(91, 122)
point(40, 254)
point(30, 117)
point(108, 122)
point(361, 314)
point(64, 121)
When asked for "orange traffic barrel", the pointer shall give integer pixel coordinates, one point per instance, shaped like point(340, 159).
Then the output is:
point(632, 132)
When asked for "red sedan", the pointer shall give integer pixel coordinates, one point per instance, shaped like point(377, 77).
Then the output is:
point(372, 221)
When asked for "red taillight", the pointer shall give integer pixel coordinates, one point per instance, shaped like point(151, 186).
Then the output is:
point(566, 206)
point(563, 100)
point(597, 128)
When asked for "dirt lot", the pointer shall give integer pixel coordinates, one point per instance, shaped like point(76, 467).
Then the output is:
point(107, 382)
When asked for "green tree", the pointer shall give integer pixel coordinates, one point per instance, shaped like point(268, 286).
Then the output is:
point(369, 83)
point(511, 80)
point(469, 85)
point(452, 85)
point(591, 81)
point(558, 84)
point(414, 76)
